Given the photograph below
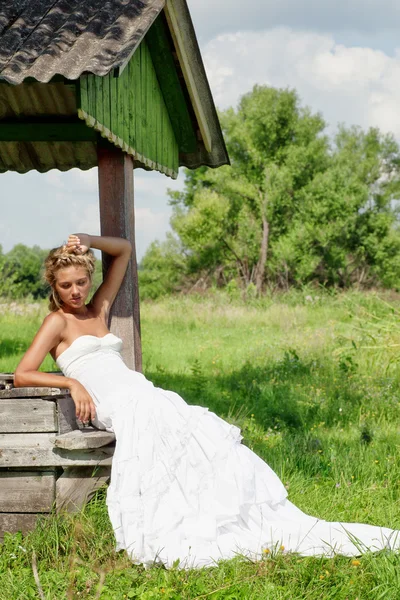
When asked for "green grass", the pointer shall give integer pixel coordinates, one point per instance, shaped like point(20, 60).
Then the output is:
point(314, 384)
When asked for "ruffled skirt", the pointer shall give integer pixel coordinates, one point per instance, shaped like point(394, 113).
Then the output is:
point(185, 491)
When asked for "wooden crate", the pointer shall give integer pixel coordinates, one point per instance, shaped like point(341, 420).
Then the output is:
point(48, 460)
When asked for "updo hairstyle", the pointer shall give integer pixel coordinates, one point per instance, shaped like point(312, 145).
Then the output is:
point(60, 258)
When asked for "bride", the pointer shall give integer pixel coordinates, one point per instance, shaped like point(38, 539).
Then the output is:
point(183, 488)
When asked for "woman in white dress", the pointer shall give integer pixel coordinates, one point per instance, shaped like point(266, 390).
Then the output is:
point(184, 489)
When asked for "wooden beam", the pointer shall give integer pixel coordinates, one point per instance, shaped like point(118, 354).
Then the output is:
point(187, 73)
point(117, 219)
point(46, 132)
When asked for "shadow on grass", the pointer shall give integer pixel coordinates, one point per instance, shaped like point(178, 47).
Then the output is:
point(290, 394)
point(278, 408)
point(287, 410)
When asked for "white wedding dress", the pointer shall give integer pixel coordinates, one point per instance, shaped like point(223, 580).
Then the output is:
point(182, 484)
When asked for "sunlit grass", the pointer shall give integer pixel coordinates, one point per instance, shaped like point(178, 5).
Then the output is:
point(313, 382)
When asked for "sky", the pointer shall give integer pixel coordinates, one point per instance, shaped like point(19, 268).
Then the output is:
point(342, 57)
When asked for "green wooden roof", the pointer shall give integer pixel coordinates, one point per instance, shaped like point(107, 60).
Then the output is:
point(141, 85)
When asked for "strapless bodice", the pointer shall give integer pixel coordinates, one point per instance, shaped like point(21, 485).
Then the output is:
point(96, 362)
point(84, 345)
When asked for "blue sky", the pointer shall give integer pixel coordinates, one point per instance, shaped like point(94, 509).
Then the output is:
point(343, 58)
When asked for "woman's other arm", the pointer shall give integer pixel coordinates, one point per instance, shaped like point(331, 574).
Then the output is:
point(27, 373)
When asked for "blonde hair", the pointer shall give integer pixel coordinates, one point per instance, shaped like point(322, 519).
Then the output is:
point(59, 258)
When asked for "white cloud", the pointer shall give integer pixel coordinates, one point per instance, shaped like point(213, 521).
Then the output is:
point(352, 85)
point(347, 82)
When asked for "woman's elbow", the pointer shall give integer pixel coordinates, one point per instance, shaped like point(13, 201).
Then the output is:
point(19, 379)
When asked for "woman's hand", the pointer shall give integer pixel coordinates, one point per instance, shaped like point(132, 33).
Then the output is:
point(85, 408)
point(78, 243)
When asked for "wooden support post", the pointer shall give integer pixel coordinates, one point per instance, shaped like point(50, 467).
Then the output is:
point(117, 219)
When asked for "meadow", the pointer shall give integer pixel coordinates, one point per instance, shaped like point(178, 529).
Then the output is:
point(313, 381)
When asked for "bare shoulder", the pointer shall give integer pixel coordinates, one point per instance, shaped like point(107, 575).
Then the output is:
point(52, 329)
point(54, 321)
point(49, 335)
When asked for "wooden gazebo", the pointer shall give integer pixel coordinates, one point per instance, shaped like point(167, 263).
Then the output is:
point(118, 84)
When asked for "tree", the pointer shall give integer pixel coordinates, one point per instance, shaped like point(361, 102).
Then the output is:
point(295, 206)
point(345, 231)
point(276, 148)
point(21, 272)
point(161, 269)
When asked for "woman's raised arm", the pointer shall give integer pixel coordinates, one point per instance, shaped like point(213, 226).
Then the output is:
point(121, 250)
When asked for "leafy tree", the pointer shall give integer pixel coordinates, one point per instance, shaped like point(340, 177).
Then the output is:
point(21, 272)
point(161, 268)
point(293, 207)
point(345, 231)
point(276, 148)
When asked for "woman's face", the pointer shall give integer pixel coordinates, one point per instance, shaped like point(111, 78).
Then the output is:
point(73, 286)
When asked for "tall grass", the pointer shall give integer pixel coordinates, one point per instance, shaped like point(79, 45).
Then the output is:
point(313, 382)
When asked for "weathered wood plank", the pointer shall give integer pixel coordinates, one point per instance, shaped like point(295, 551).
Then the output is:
point(114, 106)
point(27, 492)
point(31, 392)
point(171, 88)
point(38, 450)
point(31, 415)
point(66, 411)
point(98, 84)
point(13, 522)
point(84, 439)
point(181, 42)
point(83, 87)
point(135, 106)
point(6, 378)
point(105, 85)
point(76, 486)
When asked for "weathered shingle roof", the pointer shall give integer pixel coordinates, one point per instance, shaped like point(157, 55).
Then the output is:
point(43, 38)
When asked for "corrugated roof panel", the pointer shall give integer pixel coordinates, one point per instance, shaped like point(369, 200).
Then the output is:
point(42, 38)
point(37, 99)
point(43, 156)
point(28, 102)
